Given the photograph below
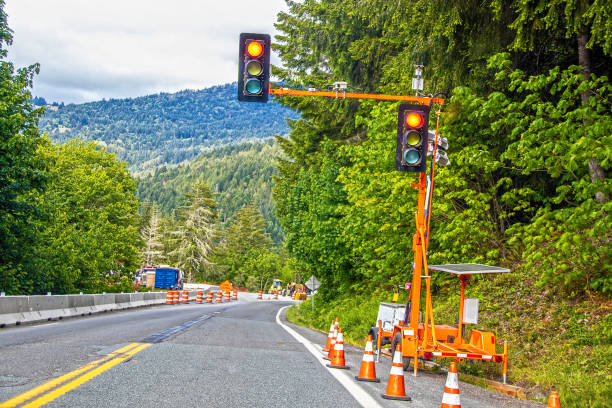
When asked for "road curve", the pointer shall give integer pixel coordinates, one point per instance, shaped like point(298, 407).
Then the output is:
point(233, 354)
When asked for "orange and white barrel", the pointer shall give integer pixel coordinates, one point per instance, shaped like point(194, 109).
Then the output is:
point(275, 295)
point(226, 296)
point(235, 295)
point(209, 297)
point(199, 297)
point(185, 297)
point(260, 295)
point(169, 297)
point(219, 297)
point(175, 297)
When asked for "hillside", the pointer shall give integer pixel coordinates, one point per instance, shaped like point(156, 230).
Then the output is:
point(165, 128)
point(239, 175)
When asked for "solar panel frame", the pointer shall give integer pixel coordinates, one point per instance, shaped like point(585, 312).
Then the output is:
point(468, 269)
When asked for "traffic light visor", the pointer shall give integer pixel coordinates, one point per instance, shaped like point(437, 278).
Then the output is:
point(255, 49)
point(415, 120)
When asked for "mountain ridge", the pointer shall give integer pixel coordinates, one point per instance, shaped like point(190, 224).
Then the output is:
point(167, 128)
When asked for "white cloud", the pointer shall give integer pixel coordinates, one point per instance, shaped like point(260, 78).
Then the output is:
point(90, 49)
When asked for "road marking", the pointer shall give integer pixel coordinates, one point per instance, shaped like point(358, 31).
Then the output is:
point(362, 397)
point(60, 380)
point(58, 392)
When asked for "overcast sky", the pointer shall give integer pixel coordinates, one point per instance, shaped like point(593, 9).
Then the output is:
point(94, 49)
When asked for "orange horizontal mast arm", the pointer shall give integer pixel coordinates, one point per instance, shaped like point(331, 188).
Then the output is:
point(333, 94)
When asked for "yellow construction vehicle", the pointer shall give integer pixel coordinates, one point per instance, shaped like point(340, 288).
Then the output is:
point(277, 286)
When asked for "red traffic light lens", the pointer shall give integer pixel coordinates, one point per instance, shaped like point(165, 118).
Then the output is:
point(415, 120)
point(255, 49)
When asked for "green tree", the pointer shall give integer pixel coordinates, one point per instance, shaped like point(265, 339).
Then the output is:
point(151, 234)
point(89, 240)
point(195, 232)
point(244, 241)
point(21, 170)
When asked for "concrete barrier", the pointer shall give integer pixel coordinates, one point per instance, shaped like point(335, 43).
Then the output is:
point(26, 309)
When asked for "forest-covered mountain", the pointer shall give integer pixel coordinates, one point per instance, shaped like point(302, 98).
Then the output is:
point(166, 128)
point(238, 174)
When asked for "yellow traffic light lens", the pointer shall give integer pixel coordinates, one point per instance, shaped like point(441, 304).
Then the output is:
point(253, 86)
point(412, 156)
point(414, 120)
point(254, 68)
point(412, 138)
point(255, 49)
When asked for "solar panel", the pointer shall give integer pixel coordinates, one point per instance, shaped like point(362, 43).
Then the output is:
point(468, 269)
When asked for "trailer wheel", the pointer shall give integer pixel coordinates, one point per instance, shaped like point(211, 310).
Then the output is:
point(405, 360)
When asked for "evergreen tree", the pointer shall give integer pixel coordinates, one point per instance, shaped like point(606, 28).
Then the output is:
point(151, 234)
point(244, 241)
point(195, 232)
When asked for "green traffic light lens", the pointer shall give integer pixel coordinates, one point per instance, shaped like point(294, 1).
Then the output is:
point(412, 156)
point(254, 68)
point(412, 138)
point(253, 86)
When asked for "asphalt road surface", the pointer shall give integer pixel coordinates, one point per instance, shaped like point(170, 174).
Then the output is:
point(238, 354)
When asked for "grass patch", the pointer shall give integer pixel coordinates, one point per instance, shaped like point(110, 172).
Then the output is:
point(556, 340)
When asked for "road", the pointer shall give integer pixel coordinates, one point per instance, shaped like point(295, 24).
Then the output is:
point(238, 354)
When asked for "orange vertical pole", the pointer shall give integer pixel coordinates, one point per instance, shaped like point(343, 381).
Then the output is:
point(417, 247)
point(460, 325)
point(505, 369)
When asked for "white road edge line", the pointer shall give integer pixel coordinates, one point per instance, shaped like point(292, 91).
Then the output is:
point(362, 397)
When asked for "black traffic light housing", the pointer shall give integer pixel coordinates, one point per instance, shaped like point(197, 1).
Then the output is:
point(254, 67)
point(412, 138)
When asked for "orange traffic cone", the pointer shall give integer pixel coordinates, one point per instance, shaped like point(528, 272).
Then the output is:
point(169, 297)
point(260, 295)
point(368, 369)
point(330, 353)
point(175, 297)
point(209, 297)
point(553, 400)
point(199, 296)
point(395, 386)
point(338, 359)
point(329, 337)
point(450, 399)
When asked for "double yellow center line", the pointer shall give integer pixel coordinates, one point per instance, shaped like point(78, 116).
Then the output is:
point(54, 388)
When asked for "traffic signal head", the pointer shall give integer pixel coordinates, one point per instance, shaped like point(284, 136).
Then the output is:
point(254, 67)
point(412, 138)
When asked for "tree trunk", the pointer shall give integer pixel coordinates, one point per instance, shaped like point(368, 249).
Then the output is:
point(596, 171)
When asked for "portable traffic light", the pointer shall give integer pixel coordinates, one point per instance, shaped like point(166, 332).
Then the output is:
point(412, 138)
point(254, 67)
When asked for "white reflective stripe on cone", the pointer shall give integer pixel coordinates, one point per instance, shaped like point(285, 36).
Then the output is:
point(368, 346)
point(451, 399)
point(451, 381)
point(395, 370)
point(368, 357)
point(339, 347)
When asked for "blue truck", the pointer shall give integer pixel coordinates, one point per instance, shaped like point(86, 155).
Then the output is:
point(167, 277)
